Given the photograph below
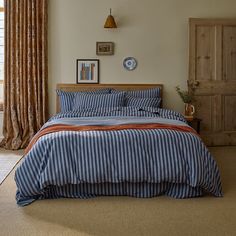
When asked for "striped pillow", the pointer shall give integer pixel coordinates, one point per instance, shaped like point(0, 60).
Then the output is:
point(100, 100)
point(146, 93)
point(67, 98)
point(142, 102)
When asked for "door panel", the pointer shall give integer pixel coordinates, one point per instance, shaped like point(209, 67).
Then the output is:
point(229, 109)
point(203, 107)
point(212, 78)
point(229, 52)
point(207, 110)
point(205, 66)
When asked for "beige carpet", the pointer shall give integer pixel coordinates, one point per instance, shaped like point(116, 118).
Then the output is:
point(8, 160)
point(122, 216)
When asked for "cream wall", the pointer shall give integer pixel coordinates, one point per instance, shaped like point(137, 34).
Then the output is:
point(155, 32)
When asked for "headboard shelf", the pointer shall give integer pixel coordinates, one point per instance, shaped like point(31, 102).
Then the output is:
point(88, 87)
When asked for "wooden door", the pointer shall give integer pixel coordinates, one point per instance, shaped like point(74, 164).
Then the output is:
point(212, 78)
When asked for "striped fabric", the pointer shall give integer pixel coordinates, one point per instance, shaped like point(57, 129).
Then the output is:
point(142, 102)
point(98, 100)
point(67, 98)
point(138, 163)
point(120, 112)
point(146, 93)
point(140, 190)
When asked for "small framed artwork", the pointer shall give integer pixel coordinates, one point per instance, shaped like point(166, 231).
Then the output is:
point(87, 71)
point(104, 48)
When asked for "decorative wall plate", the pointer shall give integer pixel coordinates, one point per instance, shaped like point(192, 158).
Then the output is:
point(130, 63)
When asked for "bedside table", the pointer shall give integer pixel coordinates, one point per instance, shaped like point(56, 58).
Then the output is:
point(195, 123)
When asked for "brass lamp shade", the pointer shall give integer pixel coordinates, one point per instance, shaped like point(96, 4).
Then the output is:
point(110, 22)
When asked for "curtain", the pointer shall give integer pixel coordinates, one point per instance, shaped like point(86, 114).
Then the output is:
point(26, 72)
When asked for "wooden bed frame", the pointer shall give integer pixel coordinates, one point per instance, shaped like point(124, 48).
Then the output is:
point(88, 87)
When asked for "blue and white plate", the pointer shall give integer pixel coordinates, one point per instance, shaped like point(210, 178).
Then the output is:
point(130, 63)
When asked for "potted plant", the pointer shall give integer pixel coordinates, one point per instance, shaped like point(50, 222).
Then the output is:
point(187, 98)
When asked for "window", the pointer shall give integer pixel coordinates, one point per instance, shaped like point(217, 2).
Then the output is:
point(1, 52)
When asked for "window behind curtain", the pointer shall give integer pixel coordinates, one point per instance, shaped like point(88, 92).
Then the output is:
point(1, 52)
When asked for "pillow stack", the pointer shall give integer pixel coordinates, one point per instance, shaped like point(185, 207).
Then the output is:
point(67, 99)
point(142, 98)
point(109, 98)
point(142, 102)
point(98, 100)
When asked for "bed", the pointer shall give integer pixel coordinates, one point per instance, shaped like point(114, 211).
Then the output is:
point(114, 141)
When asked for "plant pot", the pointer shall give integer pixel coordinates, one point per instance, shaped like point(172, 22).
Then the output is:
point(189, 110)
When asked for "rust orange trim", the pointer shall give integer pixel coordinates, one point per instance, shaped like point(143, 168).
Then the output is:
point(60, 127)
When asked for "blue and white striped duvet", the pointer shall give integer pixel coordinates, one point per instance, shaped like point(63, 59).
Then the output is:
point(139, 163)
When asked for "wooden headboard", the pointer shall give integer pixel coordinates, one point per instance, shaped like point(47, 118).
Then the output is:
point(88, 87)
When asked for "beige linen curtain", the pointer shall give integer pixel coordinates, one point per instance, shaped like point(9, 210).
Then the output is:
point(25, 82)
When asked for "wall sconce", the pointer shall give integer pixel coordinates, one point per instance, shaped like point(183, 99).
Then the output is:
point(110, 22)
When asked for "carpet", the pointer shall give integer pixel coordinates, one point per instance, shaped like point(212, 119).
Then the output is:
point(126, 216)
point(8, 160)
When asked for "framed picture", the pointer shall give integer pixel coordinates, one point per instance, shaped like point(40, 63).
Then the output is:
point(87, 71)
point(105, 48)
